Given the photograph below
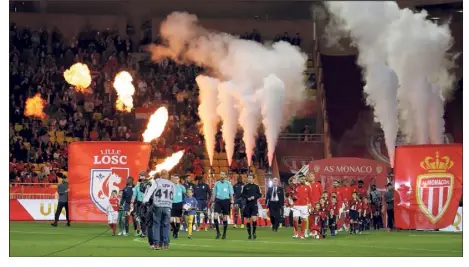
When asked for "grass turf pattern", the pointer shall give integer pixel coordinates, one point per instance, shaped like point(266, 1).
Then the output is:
point(90, 239)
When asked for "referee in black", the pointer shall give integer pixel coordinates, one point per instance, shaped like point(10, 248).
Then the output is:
point(62, 191)
point(251, 193)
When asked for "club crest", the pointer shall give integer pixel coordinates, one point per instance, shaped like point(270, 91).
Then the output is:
point(103, 182)
point(435, 187)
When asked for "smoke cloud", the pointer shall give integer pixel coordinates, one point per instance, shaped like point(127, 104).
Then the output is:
point(208, 111)
point(228, 112)
point(403, 56)
point(242, 63)
point(271, 97)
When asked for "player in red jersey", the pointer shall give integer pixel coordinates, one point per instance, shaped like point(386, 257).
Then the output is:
point(316, 187)
point(354, 213)
point(315, 221)
point(346, 190)
point(338, 192)
point(302, 199)
point(365, 214)
point(112, 211)
point(360, 189)
point(333, 214)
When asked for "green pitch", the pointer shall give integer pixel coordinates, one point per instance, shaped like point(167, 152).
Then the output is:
point(86, 239)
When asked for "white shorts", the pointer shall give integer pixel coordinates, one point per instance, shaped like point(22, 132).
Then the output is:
point(112, 217)
point(286, 211)
point(300, 211)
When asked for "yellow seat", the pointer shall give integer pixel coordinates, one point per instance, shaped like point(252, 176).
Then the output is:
point(65, 173)
point(60, 135)
point(224, 169)
point(40, 166)
point(27, 145)
point(97, 116)
point(216, 169)
point(206, 162)
point(223, 163)
point(215, 163)
point(18, 127)
point(76, 139)
point(223, 156)
point(69, 139)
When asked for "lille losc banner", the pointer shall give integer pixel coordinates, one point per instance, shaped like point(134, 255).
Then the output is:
point(428, 186)
point(95, 169)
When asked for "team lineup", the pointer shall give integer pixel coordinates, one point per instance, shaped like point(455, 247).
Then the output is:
point(163, 204)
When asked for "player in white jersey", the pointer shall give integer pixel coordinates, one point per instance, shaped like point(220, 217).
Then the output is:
point(162, 191)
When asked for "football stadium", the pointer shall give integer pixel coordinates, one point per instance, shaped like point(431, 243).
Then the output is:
point(235, 128)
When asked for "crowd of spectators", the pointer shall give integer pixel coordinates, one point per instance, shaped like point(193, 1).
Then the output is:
point(38, 147)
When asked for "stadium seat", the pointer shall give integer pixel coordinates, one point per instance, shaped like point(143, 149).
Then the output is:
point(206, 162)
point(69, 139)
point(60, 135)
point(224, 169)
point(18, 127)
point(27, 145)
point(223, 163)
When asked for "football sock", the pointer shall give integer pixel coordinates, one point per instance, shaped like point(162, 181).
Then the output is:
point(114, 228)
point(189, 227)
point(178, 226)
point(242, 220)
point(254, 226)
point(216, 226)
point(303, 227)
point(225, 226)
point(248, 228)
point(295, 226)
point(110, 225)
point(287, 222)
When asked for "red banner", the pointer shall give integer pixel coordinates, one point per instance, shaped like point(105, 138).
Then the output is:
point(350, 169)
point(428, 185)
point(292, 154)
point(96, 169)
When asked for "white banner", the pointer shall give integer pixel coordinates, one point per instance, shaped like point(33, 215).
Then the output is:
point(457, 223)
point(42, 209)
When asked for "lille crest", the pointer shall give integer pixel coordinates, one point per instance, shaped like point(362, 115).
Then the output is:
point(435, 186)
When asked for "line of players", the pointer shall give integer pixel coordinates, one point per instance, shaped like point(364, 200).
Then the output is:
point(323, 213)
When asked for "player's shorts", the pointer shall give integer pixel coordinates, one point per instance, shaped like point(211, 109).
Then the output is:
point(354, 215)
point(202, 205)
point(286, 211)
point(251, 209)
point(112, 217)
point(300, 211)
point(222, 206)
point(176, 210)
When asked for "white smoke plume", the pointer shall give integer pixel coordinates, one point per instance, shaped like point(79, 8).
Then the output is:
point(365, 23)
point(418, 53)
point(435, 116)
point(402, 55)
point(271, 98)
point(244, 63)
point(208, 111)
point(229, 114)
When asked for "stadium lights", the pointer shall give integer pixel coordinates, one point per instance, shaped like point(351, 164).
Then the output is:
point(459, 11)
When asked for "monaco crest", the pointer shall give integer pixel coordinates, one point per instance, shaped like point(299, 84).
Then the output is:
point(435, 187)
point(103, 182)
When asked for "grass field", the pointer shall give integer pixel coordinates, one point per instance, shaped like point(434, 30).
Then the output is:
point(86, 239)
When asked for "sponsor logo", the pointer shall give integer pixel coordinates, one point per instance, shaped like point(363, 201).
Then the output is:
point(103, 182)
point(295, 163)
point(435, 186)
point(44, 212)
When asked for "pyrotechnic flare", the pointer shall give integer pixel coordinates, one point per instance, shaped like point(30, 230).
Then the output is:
point(125, 91)
point(34, 107)
point(156, 125)
point(79, 76)
point(168, 163)
point(271, 98)
point(244, 63)
point(208, 111)
point(229, 115)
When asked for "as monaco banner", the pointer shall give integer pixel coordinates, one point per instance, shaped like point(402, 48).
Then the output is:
point(428, 186)
point(95, 169)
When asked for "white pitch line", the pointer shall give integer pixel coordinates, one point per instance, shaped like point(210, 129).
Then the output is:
point(300, 242)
